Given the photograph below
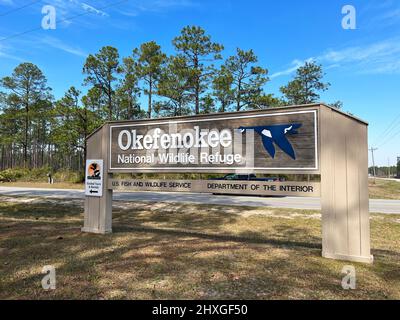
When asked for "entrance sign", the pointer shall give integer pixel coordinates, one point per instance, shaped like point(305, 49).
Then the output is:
point(299, 189)
point(310, 139)
point(255, 142)
point(94, 178)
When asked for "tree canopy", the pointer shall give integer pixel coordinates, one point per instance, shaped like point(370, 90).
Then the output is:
point(37, 130)
point(306, 85)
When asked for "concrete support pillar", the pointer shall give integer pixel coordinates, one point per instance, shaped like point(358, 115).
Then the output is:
point(344, 187)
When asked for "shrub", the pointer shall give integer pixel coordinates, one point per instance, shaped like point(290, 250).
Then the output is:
point(40, 175)
point(68, 176)
point(11, 175)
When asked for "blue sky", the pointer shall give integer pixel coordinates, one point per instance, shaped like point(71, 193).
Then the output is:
point(363, 65)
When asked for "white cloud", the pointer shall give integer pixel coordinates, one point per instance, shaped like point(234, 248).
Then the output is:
point(376, 58)
point(4, 53)
point(141, 6)
point(60, 45)
point(91, 9)
point(172, 3)
point(68, 6)
point(393, 14)
point(294, 66)
point(384, 14)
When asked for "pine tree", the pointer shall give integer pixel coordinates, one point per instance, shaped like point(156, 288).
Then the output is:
point(199, 51)
point(306, 85)
point(102, 70)
point(26, 90)
point(248, 78)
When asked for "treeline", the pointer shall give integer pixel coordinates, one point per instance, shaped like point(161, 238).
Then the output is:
point(385, 172)
point(38, 131)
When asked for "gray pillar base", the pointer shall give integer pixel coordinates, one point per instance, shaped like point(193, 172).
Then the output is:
point(361, 259)
point(96, 231)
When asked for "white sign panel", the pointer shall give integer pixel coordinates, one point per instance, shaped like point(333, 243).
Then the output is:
point(94, 178)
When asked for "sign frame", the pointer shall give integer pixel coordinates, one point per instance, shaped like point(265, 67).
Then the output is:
point(138, 169)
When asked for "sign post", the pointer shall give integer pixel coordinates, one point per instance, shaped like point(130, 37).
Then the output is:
point(311, 139)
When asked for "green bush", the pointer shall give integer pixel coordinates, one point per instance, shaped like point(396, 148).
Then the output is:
point(21, 174)
point(12, 174)
point(40, 175)
point(68, 176)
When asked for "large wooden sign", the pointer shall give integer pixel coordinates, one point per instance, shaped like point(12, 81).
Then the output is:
point(309, 139)
point(218, 143)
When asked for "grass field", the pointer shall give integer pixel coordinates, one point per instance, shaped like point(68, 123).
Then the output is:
point(164, 251)
point(384, 189)
point(44, 185)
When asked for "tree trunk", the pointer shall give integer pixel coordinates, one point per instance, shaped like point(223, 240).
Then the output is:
point(150, 98)
point(110, 108)
point(197, 93)
point(130, 107)
point(239, 97)
point(223, 106)
point(26, 136)
point(197, 86)
point(2, 163)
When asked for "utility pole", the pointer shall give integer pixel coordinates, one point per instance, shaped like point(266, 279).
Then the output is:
point(373, 162)
point(388, 168)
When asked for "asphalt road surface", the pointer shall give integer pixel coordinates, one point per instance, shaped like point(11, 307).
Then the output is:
point(378, 206)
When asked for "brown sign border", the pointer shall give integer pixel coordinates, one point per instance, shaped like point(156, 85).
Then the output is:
point(218, 169)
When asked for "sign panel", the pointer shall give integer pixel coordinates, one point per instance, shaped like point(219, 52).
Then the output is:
point(94, 178)
point(295, 189)
point(229, 143)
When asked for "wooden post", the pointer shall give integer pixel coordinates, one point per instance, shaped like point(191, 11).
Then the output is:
point(98, 211)
point(344, 187)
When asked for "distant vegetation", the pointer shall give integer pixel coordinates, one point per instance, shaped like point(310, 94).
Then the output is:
point(40, 175)
point(385, 172)
point(43, 134)
point(384, 189)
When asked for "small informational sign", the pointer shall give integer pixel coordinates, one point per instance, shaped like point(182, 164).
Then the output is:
point(94, 178)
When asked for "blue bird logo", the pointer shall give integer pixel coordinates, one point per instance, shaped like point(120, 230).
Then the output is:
point(276, 134)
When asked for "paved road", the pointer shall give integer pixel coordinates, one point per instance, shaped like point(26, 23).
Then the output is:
point(386, 179)
point(381, 206)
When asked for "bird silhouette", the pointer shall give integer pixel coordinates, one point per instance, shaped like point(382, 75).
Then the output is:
point(276, 134)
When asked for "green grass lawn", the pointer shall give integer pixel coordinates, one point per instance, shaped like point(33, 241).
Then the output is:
point(183, 251)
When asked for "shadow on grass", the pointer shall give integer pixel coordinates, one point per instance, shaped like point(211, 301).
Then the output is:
point(251, 238)
point(38, 209)
point(182, 252)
